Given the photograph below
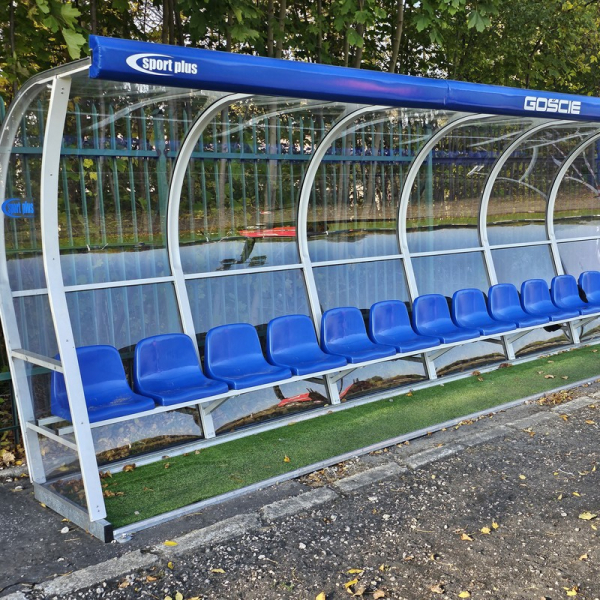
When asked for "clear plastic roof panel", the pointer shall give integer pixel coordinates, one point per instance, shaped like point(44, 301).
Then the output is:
point(519, 199)
point(239, 202)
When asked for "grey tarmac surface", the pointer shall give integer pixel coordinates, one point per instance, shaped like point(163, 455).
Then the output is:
point(491, 508)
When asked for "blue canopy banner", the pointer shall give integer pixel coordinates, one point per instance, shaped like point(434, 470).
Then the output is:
point(176, 66)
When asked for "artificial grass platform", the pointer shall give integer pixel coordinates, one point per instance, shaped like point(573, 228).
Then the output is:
point(176, 482)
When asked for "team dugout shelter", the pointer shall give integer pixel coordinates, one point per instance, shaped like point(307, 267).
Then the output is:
point(197, 246)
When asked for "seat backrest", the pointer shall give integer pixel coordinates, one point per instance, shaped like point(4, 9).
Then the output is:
point(429, 309)
point(288, 332)
point(231, 343)
point(390, 314)
point(534, 291)
point(340, 323)
point(171, 353)
point(590, 281)
point(503, 296)
point(102, 375)
point(468, 303)
point(564, 287)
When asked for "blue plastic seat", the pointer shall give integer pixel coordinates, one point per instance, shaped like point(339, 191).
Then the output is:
point(589, 282)
point(470, 310)
point(232, 354)
point(292, 343)
point(504, 305)
point(431, 316)
point(565, 294)
point(536, 300)
point(389, 324)
point(343, 333)
point(166, 368)
point(105, 387)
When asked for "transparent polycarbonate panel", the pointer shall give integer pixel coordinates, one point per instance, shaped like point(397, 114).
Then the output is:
point(591, 331)
point(239, 201)
point(355, 197)
point(270, 403)
point(61, 466)
point(515, 265)
point(22, 193)
point(146, 434)
point(468, 357)
point(577, 257)
point(374, 379)
point(34, 321)
point(255, 298)
point(576, 209)
point(446, 274)
point(119, 144)
point(540, 340)
point(361, 284)
point(122, 316)
point(518, 202)
point(443, 211)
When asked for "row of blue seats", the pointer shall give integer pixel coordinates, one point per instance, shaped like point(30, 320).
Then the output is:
point(167, 371)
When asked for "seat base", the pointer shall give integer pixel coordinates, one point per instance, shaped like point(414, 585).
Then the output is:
point(121, 406)
point(309, 364)
point(203, 390)
point(237, 379)
point(361, 352)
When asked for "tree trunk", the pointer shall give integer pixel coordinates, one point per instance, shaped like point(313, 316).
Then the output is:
point(398, 27)
point(13, 47)
point(360, 29)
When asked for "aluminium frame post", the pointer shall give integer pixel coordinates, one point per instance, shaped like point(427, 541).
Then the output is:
point(18, 369)
point(550, 206)
point(402, 232)
point(182, 162)
point(484, 206)
point(86, 452)
point(302, 227)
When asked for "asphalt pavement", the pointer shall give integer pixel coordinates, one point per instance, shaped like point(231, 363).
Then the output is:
point(505, 506)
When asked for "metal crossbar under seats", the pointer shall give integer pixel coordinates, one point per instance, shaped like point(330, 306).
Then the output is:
point(198, 246)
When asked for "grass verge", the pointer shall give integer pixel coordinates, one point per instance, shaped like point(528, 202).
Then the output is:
point(157, 488)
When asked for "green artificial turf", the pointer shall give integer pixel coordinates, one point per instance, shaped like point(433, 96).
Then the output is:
point(154, 489)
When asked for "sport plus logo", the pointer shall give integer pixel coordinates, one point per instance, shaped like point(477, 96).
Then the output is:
point(16, 208)
point(161, 64)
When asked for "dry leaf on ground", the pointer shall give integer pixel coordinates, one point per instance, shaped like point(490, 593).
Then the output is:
point(587, 516)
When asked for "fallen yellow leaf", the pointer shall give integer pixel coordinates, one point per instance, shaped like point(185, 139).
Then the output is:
point(178, 596)
point(409, 394)
point(583, 557)
point(128, 468)
point(377, 594)
point(170, 565)
point(465, 537)
point(382, 567)
point(321, 596)
point(573, 591)
point(590, 422)
point(594, 527)
point(495, 525)
point(485, 530)
point(548, 376)
point(355, 571)
point(464, 594)
point(170, 543)
point(577, 494)
point(564, 417)
point(437, 588)
point(150, 579)
point(560, 497)
point(217, 571)
point(522, 477)
point(351, 583)
point(286, 458)
point(587, 516)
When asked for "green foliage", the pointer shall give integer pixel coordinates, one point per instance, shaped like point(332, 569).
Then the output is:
point(551, 44)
